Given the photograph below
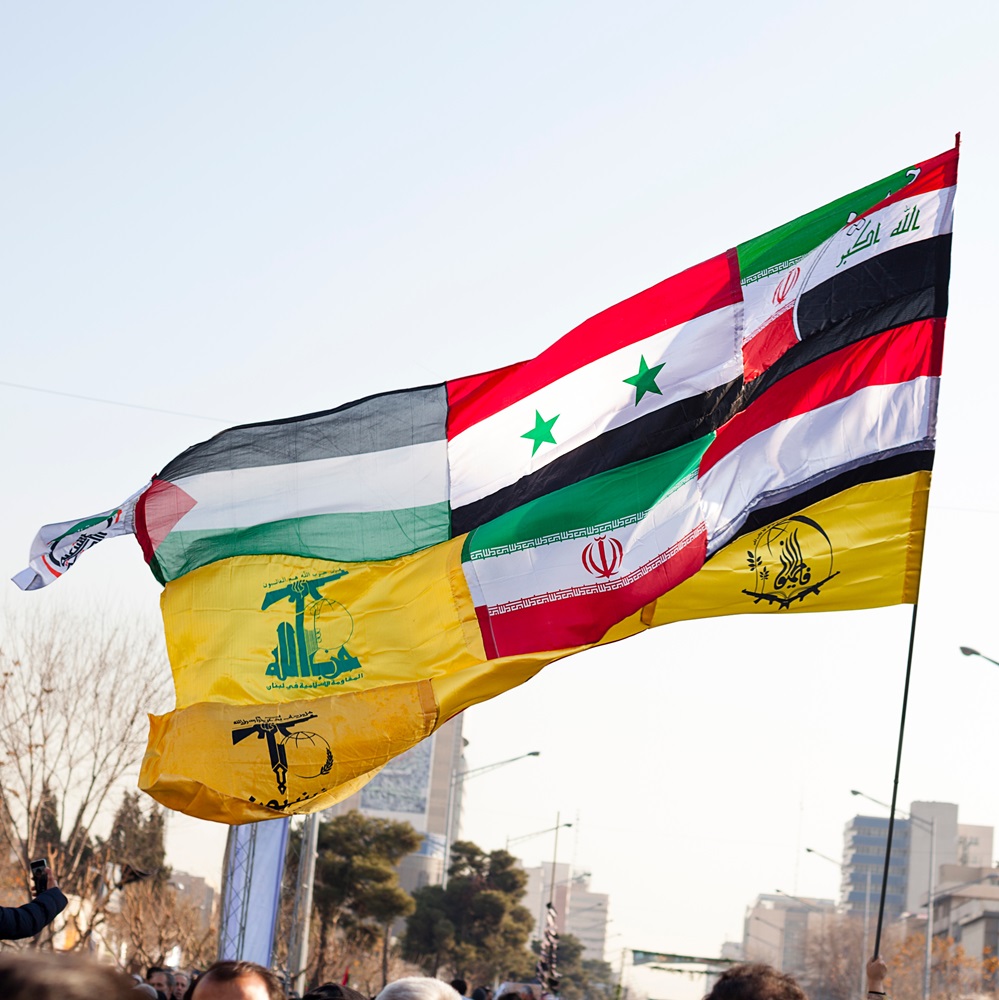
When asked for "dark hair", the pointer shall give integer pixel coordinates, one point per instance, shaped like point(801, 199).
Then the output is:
point(47, 975)
point(479, 993)
point(227, 972)
point(334, 991)
point(460, 985)
point(756, 981)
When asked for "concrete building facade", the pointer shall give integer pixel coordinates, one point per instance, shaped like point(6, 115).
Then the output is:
point(777, 930)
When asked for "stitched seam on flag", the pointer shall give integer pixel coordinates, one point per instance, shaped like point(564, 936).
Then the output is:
point(774, 268)
point(584, 532)
point(551, 596)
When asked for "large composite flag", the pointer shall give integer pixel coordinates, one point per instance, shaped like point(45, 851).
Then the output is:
point(753, 435)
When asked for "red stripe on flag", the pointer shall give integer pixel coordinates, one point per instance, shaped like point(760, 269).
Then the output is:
point(156, 513)
point(769, 344)
point(579, 620)
point(890, 358)
point(694, 292)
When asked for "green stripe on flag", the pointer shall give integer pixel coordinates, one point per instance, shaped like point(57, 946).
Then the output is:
point(607, 500)
point(350, 537)
point(787, 244)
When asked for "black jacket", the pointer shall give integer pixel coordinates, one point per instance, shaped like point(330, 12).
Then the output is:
point(26, 921)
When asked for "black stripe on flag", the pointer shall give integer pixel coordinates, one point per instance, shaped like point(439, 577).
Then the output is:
point(874, 471)
point(376, 423)
point(888, 291)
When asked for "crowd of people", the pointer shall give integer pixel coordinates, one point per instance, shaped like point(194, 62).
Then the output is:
point(49, 975)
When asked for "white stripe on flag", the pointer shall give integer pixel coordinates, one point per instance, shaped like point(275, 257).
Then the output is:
point(395, 479)
point(805, 450)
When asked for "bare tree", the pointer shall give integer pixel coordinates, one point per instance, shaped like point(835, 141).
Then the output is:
point(74, 694)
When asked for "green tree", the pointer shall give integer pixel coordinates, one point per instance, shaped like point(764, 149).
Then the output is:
point(476, 927)
point(357, 892)
point(136, 838)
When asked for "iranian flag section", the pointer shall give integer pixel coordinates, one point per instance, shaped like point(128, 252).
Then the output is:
point(560, 571)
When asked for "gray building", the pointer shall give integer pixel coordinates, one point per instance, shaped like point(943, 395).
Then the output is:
point(777, 930)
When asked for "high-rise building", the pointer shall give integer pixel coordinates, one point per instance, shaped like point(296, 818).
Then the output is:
point(415, 788)
point(928, 839)
point(864, 842)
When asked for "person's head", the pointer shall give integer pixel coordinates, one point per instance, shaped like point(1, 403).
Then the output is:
point(460, 986)
point(756, 981)
point(160, 979)
point(419, 988)
point(237, 981)
point(47, 975)
point(480, 993)
point(180, 983)
point(334, 991)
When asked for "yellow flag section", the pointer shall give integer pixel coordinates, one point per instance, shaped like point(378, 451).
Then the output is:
point(298, 679)
point(861, 548)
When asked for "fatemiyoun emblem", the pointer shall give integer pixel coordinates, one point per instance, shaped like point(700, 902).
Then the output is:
point(791, 559)
point(316, 645)
point(311, 756)
point(603, 557)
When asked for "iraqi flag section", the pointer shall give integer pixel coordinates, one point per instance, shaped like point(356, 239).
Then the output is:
point(868, 402)
point(367, 480)
point(560, 571)
point(643, 377)
point(878, 242)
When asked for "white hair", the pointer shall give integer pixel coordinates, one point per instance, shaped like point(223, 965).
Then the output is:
point(419, 988)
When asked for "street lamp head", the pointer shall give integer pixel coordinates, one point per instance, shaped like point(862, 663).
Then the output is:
point(853, 791)
point(968, 651)
point(534, 753)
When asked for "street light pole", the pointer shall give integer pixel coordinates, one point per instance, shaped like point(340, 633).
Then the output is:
point(968, 651)
point(867, 912)
point(457, 782)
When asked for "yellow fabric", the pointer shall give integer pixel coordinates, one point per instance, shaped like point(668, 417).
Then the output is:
point(392, 650)
point(871, 550)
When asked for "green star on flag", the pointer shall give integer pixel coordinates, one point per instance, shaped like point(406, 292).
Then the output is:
point(542, 431)
point(645, 380)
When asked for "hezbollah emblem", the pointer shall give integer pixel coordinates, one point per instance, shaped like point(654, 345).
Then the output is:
point(315, 645)
point(791, 559)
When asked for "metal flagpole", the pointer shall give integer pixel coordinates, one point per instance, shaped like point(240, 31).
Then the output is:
point(298, 945)
point(894, 790)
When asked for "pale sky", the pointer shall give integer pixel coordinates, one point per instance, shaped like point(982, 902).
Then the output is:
point(242, 211)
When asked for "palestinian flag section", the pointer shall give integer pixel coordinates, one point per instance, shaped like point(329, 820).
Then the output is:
point(787, 274)
point(367, 480)
point(559, 572)
point(858, 548)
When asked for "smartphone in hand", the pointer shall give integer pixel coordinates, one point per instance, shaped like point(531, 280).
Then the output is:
point(38, 875)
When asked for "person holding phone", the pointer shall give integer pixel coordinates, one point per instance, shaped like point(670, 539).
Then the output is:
point(26, 921)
